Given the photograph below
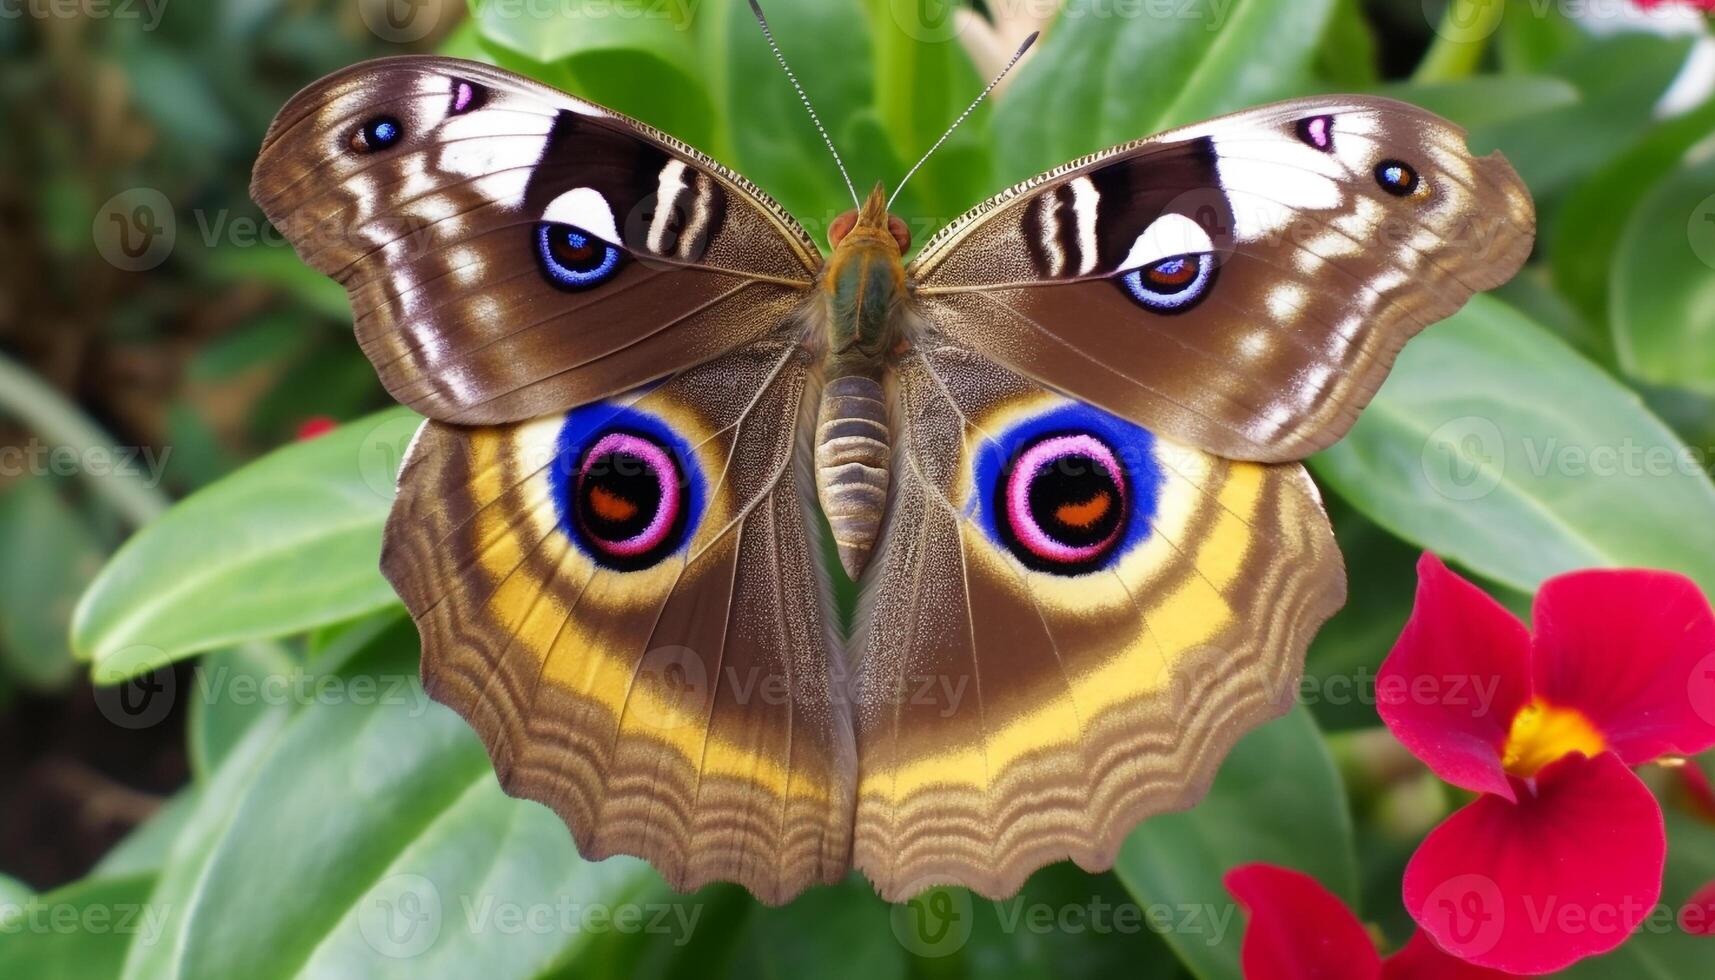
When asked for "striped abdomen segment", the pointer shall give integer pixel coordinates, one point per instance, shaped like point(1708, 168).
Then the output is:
point(852, 459)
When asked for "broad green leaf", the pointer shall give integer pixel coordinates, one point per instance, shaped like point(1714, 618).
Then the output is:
point(1063, 922)
point(923, 80)
point(270, 261)
point(49, 556)
point(774, 143)
point(81, 930)
point(230, 691)
point(1340, 669)
point(149, 845)
point(398, 854)
point(1598, 210)
point(1278, 799)
point(1619, 80)
point(1486, 100)
point(187, 858)
point(1105, 75)
point(837, 932)
point(636, 58)
point(1347, 58)
point(290, 542)
point(1663, 298)
point(1495, 445)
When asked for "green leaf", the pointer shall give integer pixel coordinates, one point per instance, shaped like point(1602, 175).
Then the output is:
point(1663, 299)
point(288, 543)
point(270, 261)
point(837, 932)
point(233, 688)
point(50, 555)
point(1341, 666)
point(637, 58)
point(148, 846)
point(1347, 57)
point(923, 80)
point(1598, 210)
point(1063, 922)
point(215, 805)
point(773, 141)
point(1619, 79)
point(1102, 79)
point(81, 930)
point(1495, 445)
point(404, 857)
point(1276, 799)
point(1486, 100)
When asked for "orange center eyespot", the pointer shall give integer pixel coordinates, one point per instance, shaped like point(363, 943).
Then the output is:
point(1542, 733)
point(611, 507)
point(1174, 275)
point(1084, 514)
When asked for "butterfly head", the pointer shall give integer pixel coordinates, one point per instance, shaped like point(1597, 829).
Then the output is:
point(870, 225)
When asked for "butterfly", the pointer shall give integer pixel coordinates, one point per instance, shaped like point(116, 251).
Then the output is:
point(1055, 451)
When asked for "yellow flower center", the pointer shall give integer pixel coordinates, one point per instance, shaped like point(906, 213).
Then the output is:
point(1542, 732)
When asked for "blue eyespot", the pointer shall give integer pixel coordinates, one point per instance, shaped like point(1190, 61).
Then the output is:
point(1396, 177)
point(1171, 285)
point(627, 487)
point(574, 259)
point(377, 134)
point(1068, 491)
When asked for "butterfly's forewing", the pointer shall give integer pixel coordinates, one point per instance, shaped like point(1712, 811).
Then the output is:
point(1243, 284)
point(1071, 620)
point(511, 251)
point(623, 601)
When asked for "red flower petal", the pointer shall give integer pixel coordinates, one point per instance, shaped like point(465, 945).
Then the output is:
point(1634, 652)
point(1697, 915)
point(1452, 683)
point(1566, 872)
point(316, 425)
point(1298, 930)
point(1421, 959)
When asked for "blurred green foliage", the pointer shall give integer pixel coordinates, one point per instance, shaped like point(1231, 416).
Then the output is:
point(1524, 437)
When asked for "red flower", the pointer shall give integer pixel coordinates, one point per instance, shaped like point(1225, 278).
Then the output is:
point(316, 425)
point(1298, 930)
point(1707, 6)
point(1697, 915)
point(1561, 857)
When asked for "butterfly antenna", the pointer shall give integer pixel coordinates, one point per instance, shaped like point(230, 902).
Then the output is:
point(968, 110)
point(756, 8)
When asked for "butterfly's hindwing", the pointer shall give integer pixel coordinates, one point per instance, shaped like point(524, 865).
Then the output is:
point(1072, 619)
point(622, 600)
point(1242, 285)
point(511, 251)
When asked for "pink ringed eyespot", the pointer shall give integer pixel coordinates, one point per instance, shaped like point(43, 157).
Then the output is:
point(627, 496)
point(1065, 501)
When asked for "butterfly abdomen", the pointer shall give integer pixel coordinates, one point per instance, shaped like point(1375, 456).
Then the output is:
point(852, 461)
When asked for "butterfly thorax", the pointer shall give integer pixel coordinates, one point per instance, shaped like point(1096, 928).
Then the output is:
point(863, 289)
